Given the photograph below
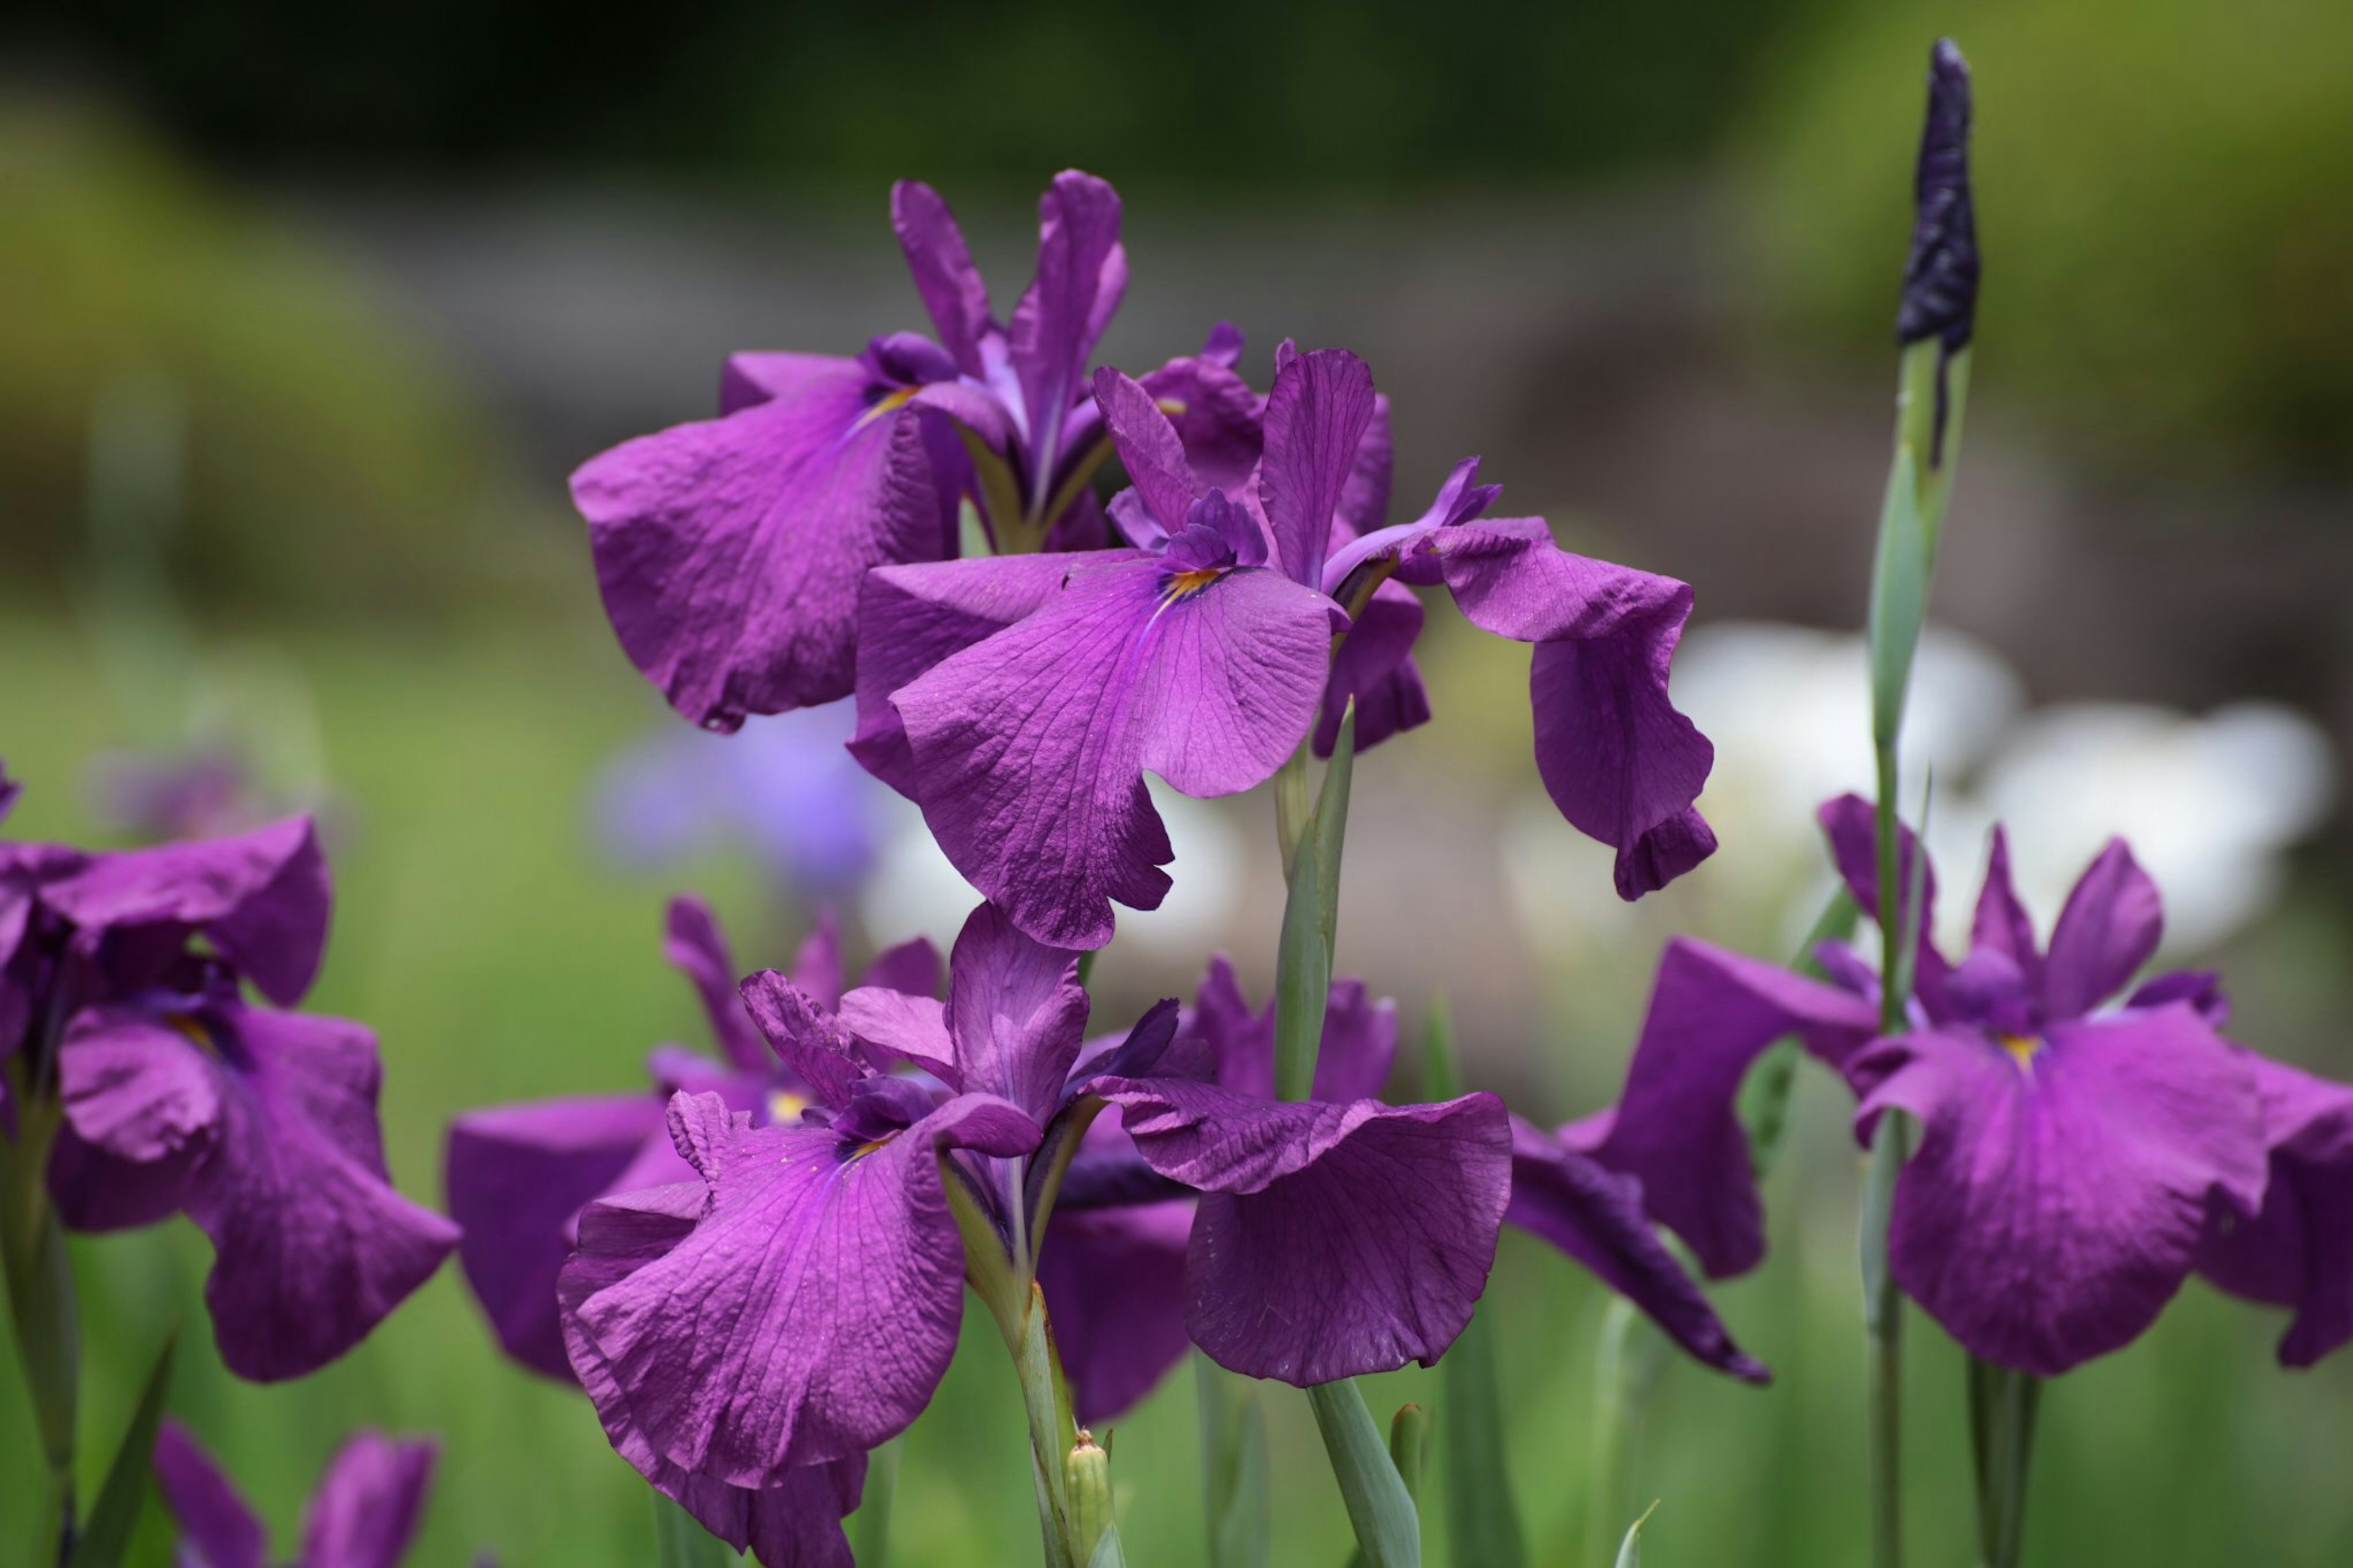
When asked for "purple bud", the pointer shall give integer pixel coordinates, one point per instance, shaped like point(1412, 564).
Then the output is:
point(1940, 281)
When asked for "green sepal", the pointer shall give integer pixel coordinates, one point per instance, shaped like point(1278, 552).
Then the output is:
point(107, 1533)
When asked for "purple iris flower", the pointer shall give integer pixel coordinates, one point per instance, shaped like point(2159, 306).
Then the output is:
point(798, 1303)
point(730, 550)
point(1129, 1279)
point(2079, 1156)
point(179, 1095)
point(1019, 700)
point(518, 1175)
point(363, 1515)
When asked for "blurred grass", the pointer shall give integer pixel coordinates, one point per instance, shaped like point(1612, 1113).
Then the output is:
point(500, 962)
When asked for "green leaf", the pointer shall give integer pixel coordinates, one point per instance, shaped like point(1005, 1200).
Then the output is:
point(680, 1542)
point(1899, 596)
point(1310, 915)
point(1765, 1097)
point(999, 494)
point(108, 1530)
point(869, 1527)
point(1235, 1495)
point(1380, 1509)
point(1629, 1552)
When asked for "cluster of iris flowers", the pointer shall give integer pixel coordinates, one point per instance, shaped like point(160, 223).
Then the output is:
point(756, 1269)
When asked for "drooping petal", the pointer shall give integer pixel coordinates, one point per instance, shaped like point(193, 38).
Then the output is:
point(1618, 759)
point(1017, 1013)
point(804, 1315)
point(368, 1504)
point(911, 617)
point(730, 550)
point(1114, 1284)
point(1596, 1217)
point(1375, 667)
point(1317, 417)
point(312, 1247)
point(1029, 748)
point(217, 1528)
point(1331, 1240)
point(2107, 929)
point(697, 948)
point(952, 289)
point(796, 1523)
point(517, 1177)
point(2057, 1203)
point(1676, 1127)
point(261, 899)
point(2298, 1251)
point(1848, 823)
point(1082, 276)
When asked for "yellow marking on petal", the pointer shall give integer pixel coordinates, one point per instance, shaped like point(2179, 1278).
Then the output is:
point(785, 1107)
point(865, 1149)
point(1172, 406)
point(891, 402)
point(1185, 584)
point(2021, 1050)
point(194, 1033)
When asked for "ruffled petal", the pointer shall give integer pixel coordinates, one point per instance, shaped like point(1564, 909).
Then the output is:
point(803, 1315)
point(911, 617)
point(806, 1037)
point(2298, 1251)
point(1331, 1240)
point(2057, 1204)
point(262, 899)
point(517, 1177)
point(1317, 417)
point(368, 1504)
point(894, 1027)
point(1596, 1217)
point(1676, 1127)
point(312, 1246)
point(1029, 748)
point(1621, 764)
point(730, 550)
point(217, 1528)
point(2109, 929)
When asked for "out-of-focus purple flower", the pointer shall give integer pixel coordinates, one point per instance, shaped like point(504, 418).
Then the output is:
point(798, 1303)
point(518, 1175)
point(1126, 1275)
point(2079, 1156)
point(783, 786)
point(1021, 702)
point(363, 1515)
point(158, 796)
point(179, 1095)
point(730, 551)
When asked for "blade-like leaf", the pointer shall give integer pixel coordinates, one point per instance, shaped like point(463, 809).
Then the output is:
point(1388, 1526)
point(869, 1527)
point(1629, 1552)
point(107, 1531)
point(1302, 976)
point(680, 1542)
point(1234, 1488)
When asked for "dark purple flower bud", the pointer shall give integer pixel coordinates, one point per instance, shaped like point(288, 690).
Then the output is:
point(1940, 281)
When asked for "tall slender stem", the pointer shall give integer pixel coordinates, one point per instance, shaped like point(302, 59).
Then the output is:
point(2002, 1403)
point(41, 1299)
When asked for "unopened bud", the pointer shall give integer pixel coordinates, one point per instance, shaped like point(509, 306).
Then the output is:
point(1940, 281)
point(1086, 1476)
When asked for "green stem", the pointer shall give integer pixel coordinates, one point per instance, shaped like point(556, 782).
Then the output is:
point(2002, 1404)
point(41, 1302)
point(1235, 1501)
point(1630, 1355)
point(870, 1528)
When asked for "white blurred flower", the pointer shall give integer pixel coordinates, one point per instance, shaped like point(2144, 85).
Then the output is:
point(915, 892)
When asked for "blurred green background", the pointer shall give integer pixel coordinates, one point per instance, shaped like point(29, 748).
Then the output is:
point(305, 316)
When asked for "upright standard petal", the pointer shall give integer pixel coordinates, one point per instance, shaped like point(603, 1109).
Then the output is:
point(2107, 929)
point(368, 1504)
point(217, 1528)
point(1618, 759)
point(517, 1177)
point(951, 288)
point(261, 899)
point(2298, 1252)
point(697, 948)
point(1028, 749)
point(1331, 1240)
point(1374, 669)
point(1676, 1126)
point(1359, 1039)
point(1317, 417)
point(2057, 1202)
point(806, 1035)
point(1016, 1012)
point(805, 1314)
point(1082, 276)
point(1596, 1217)
point(1848, 823)
point(730, 551)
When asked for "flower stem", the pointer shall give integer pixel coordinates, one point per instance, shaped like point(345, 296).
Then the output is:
point(41, 1300)
point(2002, 1404)
point(1631, 1356)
